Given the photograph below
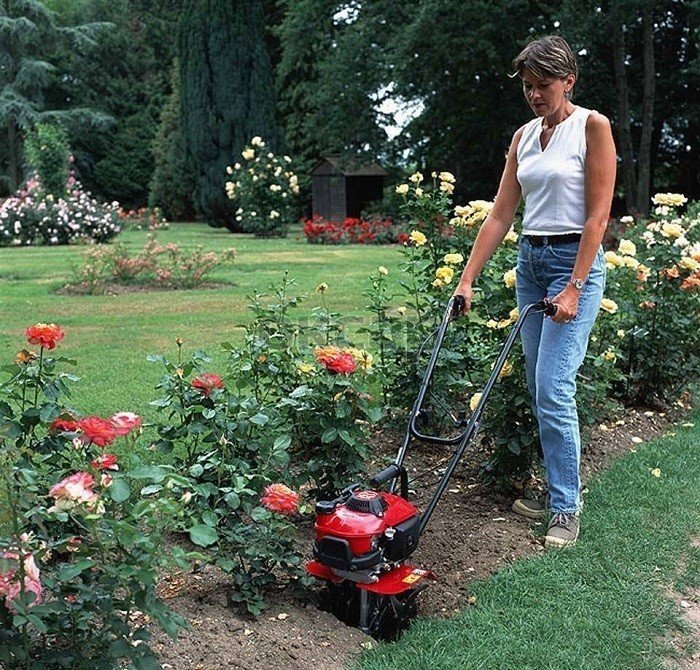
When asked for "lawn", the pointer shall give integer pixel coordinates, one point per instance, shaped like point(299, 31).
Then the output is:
point(604, 605)
point(111, 336)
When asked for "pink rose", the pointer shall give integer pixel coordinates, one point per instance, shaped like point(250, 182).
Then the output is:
point(10, 584)
point(125, 422)
point(72, 491)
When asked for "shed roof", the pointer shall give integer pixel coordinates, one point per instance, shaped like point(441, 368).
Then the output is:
point(347, 167)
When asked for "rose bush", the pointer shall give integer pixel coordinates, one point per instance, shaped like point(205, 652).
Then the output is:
point(264, 187)
point(33, 216)
point(81, 530)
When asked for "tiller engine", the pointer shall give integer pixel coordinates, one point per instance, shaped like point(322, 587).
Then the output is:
point(364, 537)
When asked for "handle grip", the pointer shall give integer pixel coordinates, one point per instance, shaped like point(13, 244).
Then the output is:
point(457, 305)
point(546, 306)
point(386, 475)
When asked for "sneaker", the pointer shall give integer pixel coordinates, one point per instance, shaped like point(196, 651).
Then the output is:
point(530, 508)
point(562, 531)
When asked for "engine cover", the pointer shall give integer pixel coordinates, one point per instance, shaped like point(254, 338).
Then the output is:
point(364, 529)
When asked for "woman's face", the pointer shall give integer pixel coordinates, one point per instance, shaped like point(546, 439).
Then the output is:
point(545, 96)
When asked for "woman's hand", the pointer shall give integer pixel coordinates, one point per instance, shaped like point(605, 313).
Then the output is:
point(464, 290)
point(567, 304)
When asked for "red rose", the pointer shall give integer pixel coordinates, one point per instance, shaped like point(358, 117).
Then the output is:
point(336, 360)
point(64, 425)
point(280, 498)
point(125, 422)
point(45, 334)
point(105, 462)
point(97, 430)
point(207, 382)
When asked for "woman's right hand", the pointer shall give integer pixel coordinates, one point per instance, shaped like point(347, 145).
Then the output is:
point(464, 290)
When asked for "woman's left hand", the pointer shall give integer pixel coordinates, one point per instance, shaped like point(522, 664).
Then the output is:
point(567, 304)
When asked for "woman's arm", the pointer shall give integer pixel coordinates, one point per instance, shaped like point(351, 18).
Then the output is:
point(600, 168)
point(496, 225)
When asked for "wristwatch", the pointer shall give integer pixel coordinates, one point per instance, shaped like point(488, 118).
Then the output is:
point(577, 283)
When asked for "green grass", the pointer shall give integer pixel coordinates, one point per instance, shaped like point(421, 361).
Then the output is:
point(603, 605)
point(112, 335)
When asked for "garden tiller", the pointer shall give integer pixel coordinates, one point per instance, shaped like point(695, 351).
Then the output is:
point(365, 536)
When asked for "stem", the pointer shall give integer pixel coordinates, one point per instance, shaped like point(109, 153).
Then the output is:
point(38, 379)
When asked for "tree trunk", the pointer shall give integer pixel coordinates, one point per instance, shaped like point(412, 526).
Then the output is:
point(644, 154)
point(623, 119)
point(14, 168)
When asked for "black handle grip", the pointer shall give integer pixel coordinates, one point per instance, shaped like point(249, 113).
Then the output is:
point(546, 306)
point(457, 305)
point(386, 475)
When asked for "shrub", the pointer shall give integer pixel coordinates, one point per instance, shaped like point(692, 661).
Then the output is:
point(34, 216)
point(48, 155)
point(263, 188)
point(82, 528)
point(353, 231)
point(169, 266)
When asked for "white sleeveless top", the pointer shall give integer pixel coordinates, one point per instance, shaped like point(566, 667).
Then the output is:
point(552, 180)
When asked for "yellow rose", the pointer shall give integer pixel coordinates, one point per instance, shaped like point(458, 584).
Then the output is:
point(402, 189)
point(669, 199)
point(609, 306)
point(630, 262)
point(444, 274)
point(474, 401)
point(511, 236)
point(447, 177)
point(383, 270)
point(503, 323)
point(688, 263)
point(609, 355)
point(642, 272)
point(453, 259)
point(509, 278)
point(401, 311)
point(612, 260)
point(620, 333)
point(446, 187)
point(419, 192)
point(248, 154)
point(627, 248)
point(492, 324)
point(322, 287)
point(506, 370)
point(418, 238)
point(416, 178)
point(672, 230)
point(514, 313)
point(305, 368)
point(437, 283)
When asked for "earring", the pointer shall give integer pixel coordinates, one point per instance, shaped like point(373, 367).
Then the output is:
point(567, 95)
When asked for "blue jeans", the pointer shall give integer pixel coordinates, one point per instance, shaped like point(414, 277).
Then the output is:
point(553, 354)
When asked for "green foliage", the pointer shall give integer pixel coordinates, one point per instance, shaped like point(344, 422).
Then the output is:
point(264, 188)
point(77, 571)
point(47, 151)
point(172, 183)
point(227, 95)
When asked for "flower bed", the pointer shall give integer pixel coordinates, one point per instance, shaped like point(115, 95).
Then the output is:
point(34, 216)
point(353, 231)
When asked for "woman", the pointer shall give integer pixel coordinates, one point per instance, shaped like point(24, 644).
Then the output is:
point(562, 163)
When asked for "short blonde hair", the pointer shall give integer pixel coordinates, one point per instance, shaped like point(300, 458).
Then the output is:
point(549, 56)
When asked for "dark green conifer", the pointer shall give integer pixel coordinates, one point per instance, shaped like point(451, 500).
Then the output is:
point(227, 95)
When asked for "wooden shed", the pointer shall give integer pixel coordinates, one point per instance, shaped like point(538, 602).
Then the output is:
point(341, 189)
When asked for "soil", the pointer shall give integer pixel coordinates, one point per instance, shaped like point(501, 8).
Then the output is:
point(114, 288)
point(472, 534)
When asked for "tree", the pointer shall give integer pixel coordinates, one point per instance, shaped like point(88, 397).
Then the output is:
point(636, 57)
point(227, 95)
point(172, 184)
point(29, 35)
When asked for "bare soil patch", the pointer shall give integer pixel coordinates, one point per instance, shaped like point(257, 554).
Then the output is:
point(472, 534)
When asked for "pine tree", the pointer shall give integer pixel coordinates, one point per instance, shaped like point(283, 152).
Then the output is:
point(172, 184)
point(227, 95)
